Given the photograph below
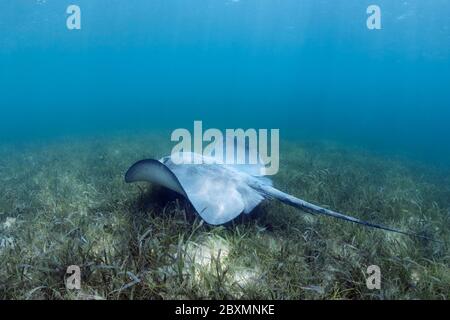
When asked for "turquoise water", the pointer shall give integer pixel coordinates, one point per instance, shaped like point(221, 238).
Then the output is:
point(364, 130)
point(310, 68)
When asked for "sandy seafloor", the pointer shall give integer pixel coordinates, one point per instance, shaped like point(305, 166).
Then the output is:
point(65, 203)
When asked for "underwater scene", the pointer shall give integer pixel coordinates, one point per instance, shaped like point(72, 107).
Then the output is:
point(224, 149)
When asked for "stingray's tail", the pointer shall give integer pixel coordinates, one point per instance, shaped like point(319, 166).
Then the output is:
point(314, 209)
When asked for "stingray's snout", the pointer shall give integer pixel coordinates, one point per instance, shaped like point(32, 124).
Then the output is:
point(140, 170)
point(153, 171)
point(127, 176)
point(130, 174)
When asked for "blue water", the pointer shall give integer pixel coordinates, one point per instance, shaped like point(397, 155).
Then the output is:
point(309, 67)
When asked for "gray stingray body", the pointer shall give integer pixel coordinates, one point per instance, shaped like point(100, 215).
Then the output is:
point(219, 193)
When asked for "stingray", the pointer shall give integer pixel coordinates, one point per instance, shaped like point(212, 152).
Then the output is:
point(219, 193)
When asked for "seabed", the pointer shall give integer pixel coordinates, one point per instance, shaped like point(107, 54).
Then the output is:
point(66, 203)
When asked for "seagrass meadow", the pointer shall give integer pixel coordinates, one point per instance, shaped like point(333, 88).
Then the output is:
point(65, 203)
point(356, 92)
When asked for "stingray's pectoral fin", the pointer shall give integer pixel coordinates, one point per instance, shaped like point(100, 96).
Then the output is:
point(314, 209)
point(153, 171)
point(216, 201)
